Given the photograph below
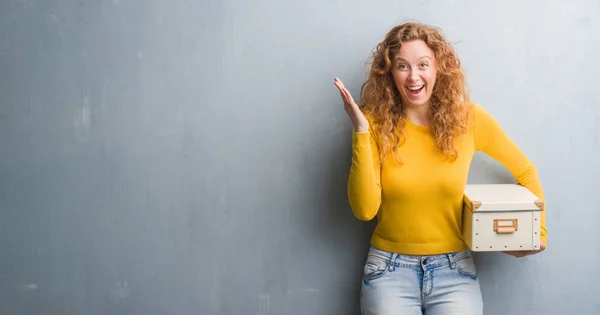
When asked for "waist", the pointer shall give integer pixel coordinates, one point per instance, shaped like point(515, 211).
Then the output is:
point(412, 261)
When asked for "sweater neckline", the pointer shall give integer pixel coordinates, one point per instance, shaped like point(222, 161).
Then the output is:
point(412, 125)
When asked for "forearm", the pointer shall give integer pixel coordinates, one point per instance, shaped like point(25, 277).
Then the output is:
point(492, 140)
point(364, 189)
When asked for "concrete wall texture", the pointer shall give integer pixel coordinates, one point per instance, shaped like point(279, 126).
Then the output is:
point(191, 157)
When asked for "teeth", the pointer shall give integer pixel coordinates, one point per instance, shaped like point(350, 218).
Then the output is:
point(415, 88)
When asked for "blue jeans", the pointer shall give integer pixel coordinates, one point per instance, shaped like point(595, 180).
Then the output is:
point(414, 285)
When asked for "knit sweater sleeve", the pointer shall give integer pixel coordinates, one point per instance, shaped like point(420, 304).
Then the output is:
point(364, 182)
point(491, 139)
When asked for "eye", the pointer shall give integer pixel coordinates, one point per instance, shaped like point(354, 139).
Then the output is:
point(424, 64)
point(402, 66)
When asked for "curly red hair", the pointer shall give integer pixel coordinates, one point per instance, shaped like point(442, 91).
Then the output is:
point(380, 99)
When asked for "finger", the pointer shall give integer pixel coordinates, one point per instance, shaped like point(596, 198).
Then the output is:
point(343, 91)
point(342, 87)
point(343, 96)
point(339, 84)
point(514, 254)
point(349, 98)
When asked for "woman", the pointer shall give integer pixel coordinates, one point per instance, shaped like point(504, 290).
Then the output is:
point(413, 139)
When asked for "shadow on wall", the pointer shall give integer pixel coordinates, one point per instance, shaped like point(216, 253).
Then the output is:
point(486, 170)
point(338, 238)
point(338, 241)
point(493, 267)
point(337, 223)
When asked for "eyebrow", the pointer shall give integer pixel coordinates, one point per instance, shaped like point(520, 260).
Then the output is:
point(422, 57)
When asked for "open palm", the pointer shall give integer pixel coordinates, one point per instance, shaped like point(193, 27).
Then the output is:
point(359, 121)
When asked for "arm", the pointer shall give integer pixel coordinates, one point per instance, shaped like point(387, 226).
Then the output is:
point(364, 187)
point(491, 139)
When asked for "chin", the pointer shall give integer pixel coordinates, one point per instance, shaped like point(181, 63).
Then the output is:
point(419, 103)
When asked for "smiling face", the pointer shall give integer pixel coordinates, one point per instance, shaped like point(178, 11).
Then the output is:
point(414, 71)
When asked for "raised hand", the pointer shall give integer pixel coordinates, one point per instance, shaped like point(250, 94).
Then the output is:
point(360, 123)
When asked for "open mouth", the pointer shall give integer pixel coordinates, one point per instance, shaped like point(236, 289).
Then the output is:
point(415, 90)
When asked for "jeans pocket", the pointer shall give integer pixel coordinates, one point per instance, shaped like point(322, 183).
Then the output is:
point(466, 267)
point(375, 267)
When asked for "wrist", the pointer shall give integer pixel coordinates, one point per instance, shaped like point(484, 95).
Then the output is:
point(361, 129)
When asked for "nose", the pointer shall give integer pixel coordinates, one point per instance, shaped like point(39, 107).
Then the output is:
point(414, 75)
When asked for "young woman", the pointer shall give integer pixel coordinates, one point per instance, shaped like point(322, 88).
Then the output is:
point(413, 139)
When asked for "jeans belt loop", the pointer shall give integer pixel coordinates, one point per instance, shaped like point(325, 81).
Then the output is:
point(451, 260)
point(392, 264)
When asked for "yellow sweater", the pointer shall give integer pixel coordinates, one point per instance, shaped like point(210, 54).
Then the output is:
point(418, 205)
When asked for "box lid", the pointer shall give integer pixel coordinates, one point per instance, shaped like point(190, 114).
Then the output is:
point(501, 197)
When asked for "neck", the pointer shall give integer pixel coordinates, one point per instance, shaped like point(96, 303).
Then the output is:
point(418, 115)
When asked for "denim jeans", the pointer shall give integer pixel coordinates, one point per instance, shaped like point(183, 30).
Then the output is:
point(414, 285)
